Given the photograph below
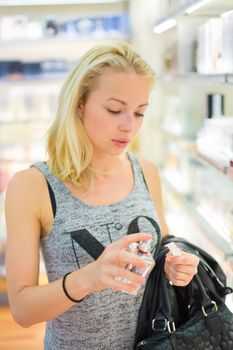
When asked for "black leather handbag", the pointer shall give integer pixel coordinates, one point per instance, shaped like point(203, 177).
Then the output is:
point(185, 318)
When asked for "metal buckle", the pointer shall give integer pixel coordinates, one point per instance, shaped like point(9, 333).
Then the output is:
point(171, 326)
point(214, 308)
point(156, 321)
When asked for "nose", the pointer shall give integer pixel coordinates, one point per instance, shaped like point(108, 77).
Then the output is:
point(126, 122)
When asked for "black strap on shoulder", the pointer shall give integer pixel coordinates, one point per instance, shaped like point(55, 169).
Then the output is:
point(143, 176)
point(52, 198)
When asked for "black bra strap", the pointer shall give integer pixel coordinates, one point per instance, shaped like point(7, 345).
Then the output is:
point(52, 198)
point(143, 176)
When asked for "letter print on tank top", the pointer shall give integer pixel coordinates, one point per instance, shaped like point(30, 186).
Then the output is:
point(94, 248)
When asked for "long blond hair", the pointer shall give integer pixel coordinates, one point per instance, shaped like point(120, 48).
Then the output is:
point(69, 148)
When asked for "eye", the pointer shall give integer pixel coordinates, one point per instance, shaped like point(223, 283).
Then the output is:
point(113, 112)
point(139, 115)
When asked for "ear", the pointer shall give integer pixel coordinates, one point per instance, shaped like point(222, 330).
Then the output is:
point(81, 110)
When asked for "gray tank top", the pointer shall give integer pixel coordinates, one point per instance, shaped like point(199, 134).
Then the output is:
point(107, 319)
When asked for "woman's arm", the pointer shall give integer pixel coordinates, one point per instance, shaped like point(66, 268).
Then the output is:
point(31, 303)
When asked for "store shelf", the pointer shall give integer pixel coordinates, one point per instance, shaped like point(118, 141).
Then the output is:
point(214, 233)
point(210, 79)
point(53, 48)
point(56, 2)
point(32, 121)
point(210, 8)
point(230, 78)
point(187, 142)
point(189, 146)
point(39, 80)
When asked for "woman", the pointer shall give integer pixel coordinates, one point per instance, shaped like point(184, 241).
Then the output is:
point(84, 206)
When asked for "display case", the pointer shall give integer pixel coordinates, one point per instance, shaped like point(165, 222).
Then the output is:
point(188, 129)
point(40, 41)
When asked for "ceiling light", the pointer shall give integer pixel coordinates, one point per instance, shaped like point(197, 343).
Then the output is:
point(165, 25)
point(196, 6)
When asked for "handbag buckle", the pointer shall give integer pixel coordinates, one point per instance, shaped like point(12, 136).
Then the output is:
point(159, 324)
point(214, 308)
point(171, 327)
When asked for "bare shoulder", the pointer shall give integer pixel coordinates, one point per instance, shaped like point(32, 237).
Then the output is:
point(26, 187)
point(152, 179)
point(30, 179)
point(149, 169)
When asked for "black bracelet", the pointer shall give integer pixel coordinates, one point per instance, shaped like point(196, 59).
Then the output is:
point(65, 290)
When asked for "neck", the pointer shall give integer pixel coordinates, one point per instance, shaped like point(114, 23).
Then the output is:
point(105, 164)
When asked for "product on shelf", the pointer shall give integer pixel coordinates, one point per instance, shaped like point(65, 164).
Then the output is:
point(227, 50)
point(170, 59)
point(187, 45)
point(20, 27)
point(178, 170)
point(171, 120)
point(209, 47)
point(51, 27)
point(25, 103)
point(219, 213)
point(181, 116)
point(215, 105)
point(215, 140)
point(166, 7)
point(19, 70)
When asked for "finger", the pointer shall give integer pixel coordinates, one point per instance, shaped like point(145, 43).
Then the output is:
point(126, 274)
point(183, 259)
point(176, 276)
point(186, 269)
point(181, 283)
point(180, 276)
point(116, 284)
point(130, 258)
point(126, 288)
point(125, 241)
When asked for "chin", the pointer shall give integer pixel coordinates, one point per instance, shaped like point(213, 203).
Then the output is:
point(116, 152)
point(113, 152)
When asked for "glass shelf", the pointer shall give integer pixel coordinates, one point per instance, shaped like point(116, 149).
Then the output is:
point(215, 233)
point(70, 48)
point(189, 146)
point(62, 39)
point(56, 2)
point(39, 80)
point(219, 79)
point(230, 78)
point(32, 120)
point(211, 8)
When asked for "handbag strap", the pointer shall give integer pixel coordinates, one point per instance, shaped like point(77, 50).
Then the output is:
point(162, 296)
point(192, 248)
point(163, 314)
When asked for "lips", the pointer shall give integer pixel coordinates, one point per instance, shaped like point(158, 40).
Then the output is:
point(120, 142)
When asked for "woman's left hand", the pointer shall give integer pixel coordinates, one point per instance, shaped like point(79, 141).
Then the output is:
point(181, 269)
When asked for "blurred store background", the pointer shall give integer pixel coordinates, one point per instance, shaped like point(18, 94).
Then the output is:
point(188, 128)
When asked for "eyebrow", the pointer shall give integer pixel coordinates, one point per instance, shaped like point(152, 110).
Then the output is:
point(124, 103)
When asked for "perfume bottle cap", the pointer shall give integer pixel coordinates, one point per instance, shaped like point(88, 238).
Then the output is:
point(144, 247)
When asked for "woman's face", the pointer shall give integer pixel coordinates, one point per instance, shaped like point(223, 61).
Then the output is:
point(113, 112)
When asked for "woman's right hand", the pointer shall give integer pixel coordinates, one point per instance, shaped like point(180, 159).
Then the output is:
point(112, 264)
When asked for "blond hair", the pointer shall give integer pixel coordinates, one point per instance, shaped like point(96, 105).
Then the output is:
point(68, 147)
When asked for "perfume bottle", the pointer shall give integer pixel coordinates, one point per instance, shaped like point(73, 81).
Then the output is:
point(142, 250)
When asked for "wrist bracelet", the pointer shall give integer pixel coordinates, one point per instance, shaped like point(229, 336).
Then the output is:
point(65, 290)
